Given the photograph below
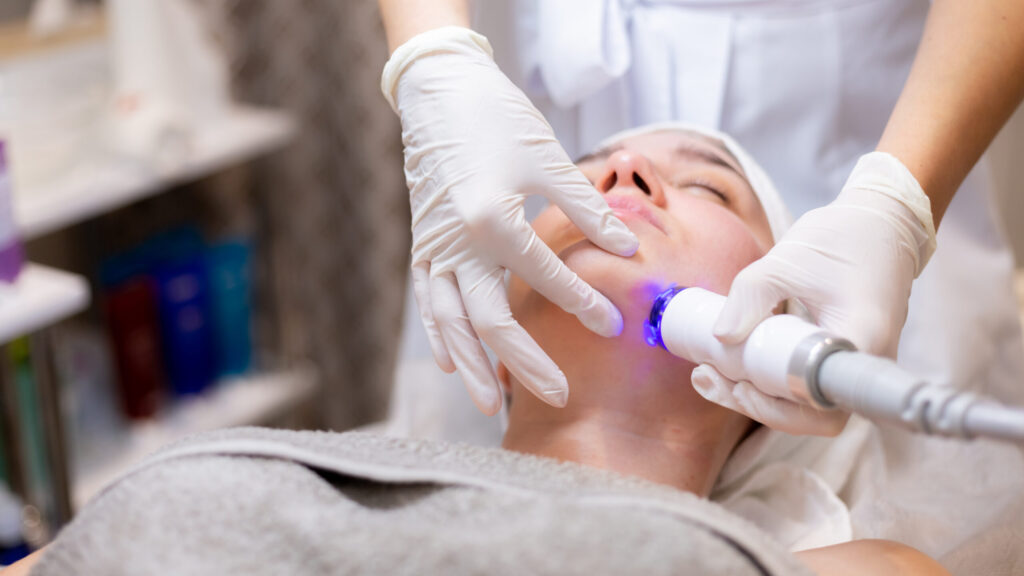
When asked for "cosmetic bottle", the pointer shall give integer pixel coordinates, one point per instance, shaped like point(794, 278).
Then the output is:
point(228, 264)
point(180, 273)
point(11, 253)
point(130, 303)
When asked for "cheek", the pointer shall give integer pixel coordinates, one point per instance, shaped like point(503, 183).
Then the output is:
point(713, 244)
point(707, 246)
point(708, 255)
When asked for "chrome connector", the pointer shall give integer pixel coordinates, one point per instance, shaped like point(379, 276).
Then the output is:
point(802, 374)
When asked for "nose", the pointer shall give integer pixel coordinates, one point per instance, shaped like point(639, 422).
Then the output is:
point(629, 171)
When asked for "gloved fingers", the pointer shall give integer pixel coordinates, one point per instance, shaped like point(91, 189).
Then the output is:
point(714, 387)
point(589, 211)
point(462, 342)
point(529, 257)
point(776, 413)
point(421, 288)
point(754, 294)
point(788, 416)
point(487, 303)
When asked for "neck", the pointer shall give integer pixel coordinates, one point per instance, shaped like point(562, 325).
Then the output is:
point(684, 452)
point(631, 409)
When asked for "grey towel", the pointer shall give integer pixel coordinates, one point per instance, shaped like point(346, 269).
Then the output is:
point(258, 501)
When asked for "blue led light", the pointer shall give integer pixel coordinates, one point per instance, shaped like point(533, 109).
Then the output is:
point(652, 326)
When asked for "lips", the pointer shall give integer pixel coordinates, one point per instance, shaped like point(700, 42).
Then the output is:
point(627, 207)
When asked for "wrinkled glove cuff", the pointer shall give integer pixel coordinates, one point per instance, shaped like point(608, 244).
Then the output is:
point(885, 174)
point(445, 39)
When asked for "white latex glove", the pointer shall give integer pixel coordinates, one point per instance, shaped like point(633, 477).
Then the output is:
point(851, 264)
point(475, 147)
point(777, 413)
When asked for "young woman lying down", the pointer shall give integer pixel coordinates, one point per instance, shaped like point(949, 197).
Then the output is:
point(614, 482)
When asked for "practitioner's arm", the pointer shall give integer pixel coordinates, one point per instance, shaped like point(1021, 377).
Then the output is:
point(475, 147)
point(852, 263)
point(967, 79)
point(404, 19)
point(868, 558)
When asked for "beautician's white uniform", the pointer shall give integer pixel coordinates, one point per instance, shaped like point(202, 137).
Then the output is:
point(807, 87)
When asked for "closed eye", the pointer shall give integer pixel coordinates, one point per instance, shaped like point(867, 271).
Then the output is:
point(702, 188)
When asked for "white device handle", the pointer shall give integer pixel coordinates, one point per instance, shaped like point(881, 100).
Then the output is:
point(788, 357)
point(765, 357)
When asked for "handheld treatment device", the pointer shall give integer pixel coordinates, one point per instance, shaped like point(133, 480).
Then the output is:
point(790, 358)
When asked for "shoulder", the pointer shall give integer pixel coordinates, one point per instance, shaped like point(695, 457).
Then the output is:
point(862, 557)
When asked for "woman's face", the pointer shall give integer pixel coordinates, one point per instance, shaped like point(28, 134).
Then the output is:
point(686, 199)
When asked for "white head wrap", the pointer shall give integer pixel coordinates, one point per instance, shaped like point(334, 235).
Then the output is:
point(779, 218)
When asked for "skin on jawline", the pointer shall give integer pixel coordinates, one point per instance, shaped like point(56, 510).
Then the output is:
point(631, 407)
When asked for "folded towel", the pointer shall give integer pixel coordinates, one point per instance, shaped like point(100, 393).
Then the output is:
point(260, 501)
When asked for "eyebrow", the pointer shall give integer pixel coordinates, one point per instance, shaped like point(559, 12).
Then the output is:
point(708, 154)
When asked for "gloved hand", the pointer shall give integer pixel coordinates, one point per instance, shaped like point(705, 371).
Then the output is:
point(777, 413)
point(851, 264)
point(475, 147)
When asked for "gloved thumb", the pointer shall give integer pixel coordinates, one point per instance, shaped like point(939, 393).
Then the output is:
point(753, 296)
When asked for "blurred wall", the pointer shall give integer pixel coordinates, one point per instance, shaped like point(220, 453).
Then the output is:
point(336, 205)
point(11, 10)
point(1007, 157)
point(14, 10)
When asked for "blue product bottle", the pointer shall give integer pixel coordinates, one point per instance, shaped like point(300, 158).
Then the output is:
point(183, 299)
point(12, 539)
point(228, 265)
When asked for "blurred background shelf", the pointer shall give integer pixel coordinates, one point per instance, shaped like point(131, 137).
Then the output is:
point(89, 118)
point(40, 297)
point(102, 186)
point(250, 400)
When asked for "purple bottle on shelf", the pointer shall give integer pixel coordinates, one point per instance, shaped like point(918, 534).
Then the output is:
point(11, 255)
